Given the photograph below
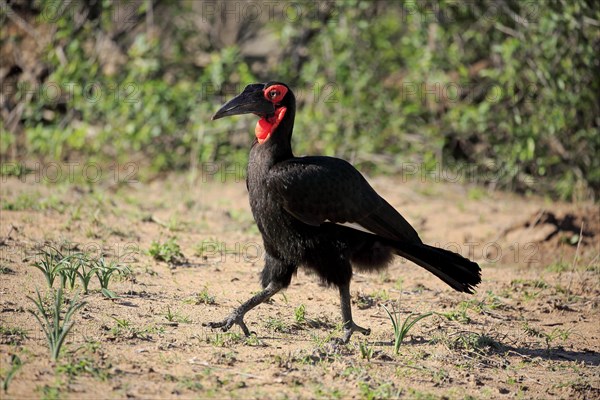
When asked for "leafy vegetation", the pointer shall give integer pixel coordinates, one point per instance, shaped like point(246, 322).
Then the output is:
point(52, 264)
point(104, 271)
point(503, 94)
point(125, 329)
point(400, 331)
point(55, 326)
point(202, 297)
point(81, 366)
point(175, 317)
point(12, 335)
point(86, 272)
point(15, 366)
point(277, 325)
point(507, 96)
point(474, 342)
point(69, 267)
point(300, 314)
point(169, 251)
point(366, 351)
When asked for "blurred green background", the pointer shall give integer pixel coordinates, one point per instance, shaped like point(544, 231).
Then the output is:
point(501, 93)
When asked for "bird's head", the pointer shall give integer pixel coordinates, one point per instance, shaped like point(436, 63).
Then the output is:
point(270, 101)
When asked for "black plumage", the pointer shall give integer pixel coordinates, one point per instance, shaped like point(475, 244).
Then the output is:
point(320, 213)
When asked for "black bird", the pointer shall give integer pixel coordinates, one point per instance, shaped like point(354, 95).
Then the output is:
point(320, 213)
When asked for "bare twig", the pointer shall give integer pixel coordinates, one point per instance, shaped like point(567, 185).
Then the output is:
point(7, 237)
point(591, 21)
point(509, 31)
point(575, 258)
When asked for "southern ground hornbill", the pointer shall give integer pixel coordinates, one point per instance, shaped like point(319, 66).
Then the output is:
point(320, 213)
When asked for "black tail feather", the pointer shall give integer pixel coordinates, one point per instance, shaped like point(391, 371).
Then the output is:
point(460, 273)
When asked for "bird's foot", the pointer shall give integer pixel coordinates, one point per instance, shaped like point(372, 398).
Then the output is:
point(233, 318)
point(349, 330)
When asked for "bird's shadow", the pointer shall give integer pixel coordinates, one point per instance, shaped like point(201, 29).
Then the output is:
point(188, 264)
point(587, 357)
point(126, 303)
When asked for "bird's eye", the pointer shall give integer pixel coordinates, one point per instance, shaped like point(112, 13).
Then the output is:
point(275, 93)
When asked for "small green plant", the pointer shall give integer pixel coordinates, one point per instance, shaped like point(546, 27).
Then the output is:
point(203, 297)
point(530, 288)
point(381, 295)
point(15, 366)
point(459, 315)
point(277, 325)
point(104, 271)
point(175, 224)
point(12, 335)
point(83, 366)
point(557, 333)
point(400, 331)
point(440, 376)
point(253, 340)
point(169, 251)
point(175, 317)
point(52, 263)
point(189, 383)
point(14, 169)
point(474, 342)
point(562, 334)
point(377, 390)
point(125, 329)
point(322, 392)
point(121, 326)
point(366, 351)
point(321, 341)
point(300, 314)
point(55, 328)
point(86, 272)
point(51, 392)
point(225, 339)
point(5, 270)
point(68, 274)
point(169, 315)
point(24, 201)
point(218, 340)
point(398, 284)
point(558, 266)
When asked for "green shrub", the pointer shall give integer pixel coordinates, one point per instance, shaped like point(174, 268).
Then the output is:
point(505, 91)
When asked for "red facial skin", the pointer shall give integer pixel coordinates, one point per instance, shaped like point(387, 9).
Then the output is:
point(266, 126)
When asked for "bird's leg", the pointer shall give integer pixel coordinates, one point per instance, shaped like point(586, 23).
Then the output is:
point(349, 325)
point(237, 316)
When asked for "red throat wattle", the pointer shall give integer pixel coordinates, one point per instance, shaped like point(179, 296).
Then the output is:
point(266, 126)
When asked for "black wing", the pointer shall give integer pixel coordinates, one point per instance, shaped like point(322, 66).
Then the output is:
point(317, 190)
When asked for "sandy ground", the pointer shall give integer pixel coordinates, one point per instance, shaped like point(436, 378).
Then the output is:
point(530, 331)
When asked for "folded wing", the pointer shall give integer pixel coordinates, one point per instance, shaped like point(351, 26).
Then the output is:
point(318, 190)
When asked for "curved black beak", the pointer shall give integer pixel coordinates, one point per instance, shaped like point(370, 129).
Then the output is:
point(251, 100)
